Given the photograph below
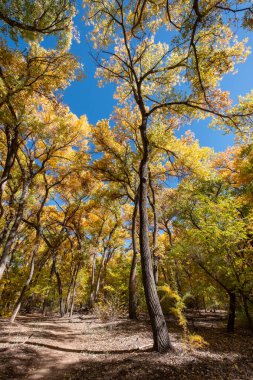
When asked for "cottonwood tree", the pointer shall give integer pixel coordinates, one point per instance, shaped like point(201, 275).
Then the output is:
point(181, 79)
point(33, 20)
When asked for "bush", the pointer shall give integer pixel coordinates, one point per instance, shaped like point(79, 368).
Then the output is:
point(110, 309)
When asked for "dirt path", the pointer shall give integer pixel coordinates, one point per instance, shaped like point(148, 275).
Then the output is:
point(85, 348)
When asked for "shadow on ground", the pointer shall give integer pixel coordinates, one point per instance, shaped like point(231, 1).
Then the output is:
point(39, 348)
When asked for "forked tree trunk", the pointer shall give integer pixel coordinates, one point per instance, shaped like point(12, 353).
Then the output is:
point(132, 307)
point(159, 328)
point(231, 312)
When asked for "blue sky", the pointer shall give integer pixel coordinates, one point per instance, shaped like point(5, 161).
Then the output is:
point(85, 97)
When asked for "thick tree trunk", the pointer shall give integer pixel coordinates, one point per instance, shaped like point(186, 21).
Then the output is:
point(132, 307)
point(231, 312)
point(155, 232)
point(159, 328)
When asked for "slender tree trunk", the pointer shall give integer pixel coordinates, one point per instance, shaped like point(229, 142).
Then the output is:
point(231, 312)
point(60, 290)
point(177, 278)
point(247, 312)
point(74, 292)
point(73, 299)
point(132, 307)
point(13, 231)
point(28, 281)
point(92, 287)
point(46, 299)
point(67, 304)
point(159, 328)
point(165, 275)
point(100, 272)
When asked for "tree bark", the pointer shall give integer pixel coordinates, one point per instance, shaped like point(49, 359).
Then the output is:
point(132, 306)
point(92, 287)
point(100, 272)
point(159, 328)
point(28, 281)
point(13, 231)
point(74, 292)
point(67, 304)
point(247, 312)
point(155, 231)
point(12, 148)
point(231, 312)
point(60, 290)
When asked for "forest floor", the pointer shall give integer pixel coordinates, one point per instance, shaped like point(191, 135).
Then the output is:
point(85, 348)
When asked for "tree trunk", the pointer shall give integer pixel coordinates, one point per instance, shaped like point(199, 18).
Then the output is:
point(100, 272)
point(67, 304)
point(46, 299)
point(155, 231)
point(132, 307)
point(165, 276)
point(231, 312)
point(92, 287)
point(247, 312)
point(13, 231)
point(60, 290)
point(12, 148)
point(73, 293)
point(159, 328)
point(28, 281)
point(73, 300)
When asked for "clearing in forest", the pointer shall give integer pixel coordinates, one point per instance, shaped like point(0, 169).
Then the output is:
point(86, 348)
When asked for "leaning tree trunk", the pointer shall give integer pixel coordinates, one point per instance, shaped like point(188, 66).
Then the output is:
point(231, 312)
point(159, 328)
point(132, 307)
point(28, 281)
